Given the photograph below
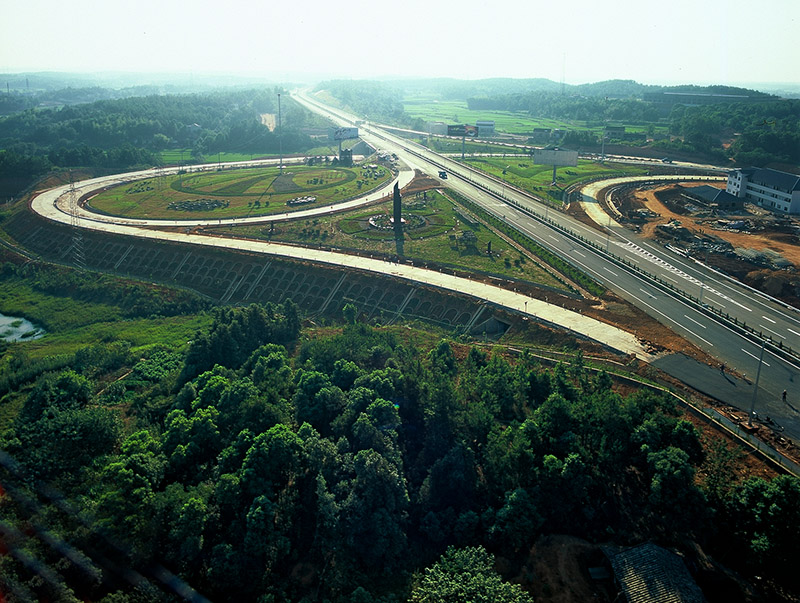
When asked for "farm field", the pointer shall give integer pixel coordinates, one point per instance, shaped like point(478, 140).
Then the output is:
point(456, 112)
point(184, 156)
point(238, 192)
point(507, 122)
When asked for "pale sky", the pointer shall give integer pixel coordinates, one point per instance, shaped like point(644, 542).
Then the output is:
point(669, 41)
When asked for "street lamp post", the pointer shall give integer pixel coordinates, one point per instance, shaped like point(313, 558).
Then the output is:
point(280, 138)
point(755, 386)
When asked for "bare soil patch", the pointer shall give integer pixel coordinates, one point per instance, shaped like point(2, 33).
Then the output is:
point(713, 245)
point(557, 571)
point(269, 120)
point(774, 237)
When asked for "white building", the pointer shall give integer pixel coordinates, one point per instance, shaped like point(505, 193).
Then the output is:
point(437, 128)
point(485, 128)
point(770, 189)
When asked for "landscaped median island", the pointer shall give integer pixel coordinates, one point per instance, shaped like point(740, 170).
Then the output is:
point(436, 231)
point(523, 173)
point(232, 193)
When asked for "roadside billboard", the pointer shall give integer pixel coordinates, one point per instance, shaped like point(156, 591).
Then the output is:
point(555, 157)
point(462, 130)
point(345, 133)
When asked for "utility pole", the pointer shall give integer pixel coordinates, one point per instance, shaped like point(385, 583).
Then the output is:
point(755, 385)
point(74, 219)
point(280, 137)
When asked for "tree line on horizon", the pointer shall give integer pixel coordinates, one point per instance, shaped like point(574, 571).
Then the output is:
point(763, 130)
point(120, 134)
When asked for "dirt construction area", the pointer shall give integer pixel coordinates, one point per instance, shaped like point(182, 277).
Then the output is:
point(751, 244)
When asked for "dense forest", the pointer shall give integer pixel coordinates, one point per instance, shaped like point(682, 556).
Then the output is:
point(120, 134)
point(275, 462)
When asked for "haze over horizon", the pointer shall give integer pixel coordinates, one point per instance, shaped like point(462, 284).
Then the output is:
point(681, 42)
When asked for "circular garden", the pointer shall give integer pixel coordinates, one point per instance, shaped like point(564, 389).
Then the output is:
point(233, 193)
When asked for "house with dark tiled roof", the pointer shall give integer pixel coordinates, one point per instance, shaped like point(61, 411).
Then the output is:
point(770, 189)
point(714, 197)
point(649, 573)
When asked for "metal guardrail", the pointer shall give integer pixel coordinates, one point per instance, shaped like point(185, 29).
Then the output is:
point(762, 447)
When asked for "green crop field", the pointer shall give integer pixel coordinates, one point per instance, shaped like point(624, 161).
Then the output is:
point(184, 156)
point(238, 192)
point(457, 112)
point(519, 122)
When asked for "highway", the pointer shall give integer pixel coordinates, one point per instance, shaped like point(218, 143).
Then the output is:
point(700, 304)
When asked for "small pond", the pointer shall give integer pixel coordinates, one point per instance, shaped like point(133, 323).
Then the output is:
point(18, 329)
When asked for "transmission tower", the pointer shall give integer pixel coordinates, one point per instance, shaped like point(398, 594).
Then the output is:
point(159, 177)
point(76, 247)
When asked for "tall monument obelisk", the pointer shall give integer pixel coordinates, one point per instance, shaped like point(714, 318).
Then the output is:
point(397, 221)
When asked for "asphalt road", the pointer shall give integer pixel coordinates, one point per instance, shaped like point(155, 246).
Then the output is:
point(693, 300)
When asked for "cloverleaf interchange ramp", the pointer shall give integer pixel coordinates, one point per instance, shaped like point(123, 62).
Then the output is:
point(55, 205)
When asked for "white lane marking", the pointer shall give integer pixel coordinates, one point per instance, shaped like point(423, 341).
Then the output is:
point(578, 252)
point(647, 293)
point(669, 318)
point(696, 335)
point(793, 331)
point(754, 356)
point(611, 271)
point(771, 331)
point(768, 318)
point(694, 321)
point(676, 271)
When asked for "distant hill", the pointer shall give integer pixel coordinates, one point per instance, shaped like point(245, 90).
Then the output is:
point(613, 88)
point(454, 89)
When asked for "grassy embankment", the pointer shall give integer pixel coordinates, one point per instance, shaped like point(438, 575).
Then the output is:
point(537, 179)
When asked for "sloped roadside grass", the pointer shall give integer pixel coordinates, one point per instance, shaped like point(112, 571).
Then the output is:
point(547, 256)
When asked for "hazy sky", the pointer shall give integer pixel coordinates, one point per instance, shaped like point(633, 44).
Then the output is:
point(670, 41)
